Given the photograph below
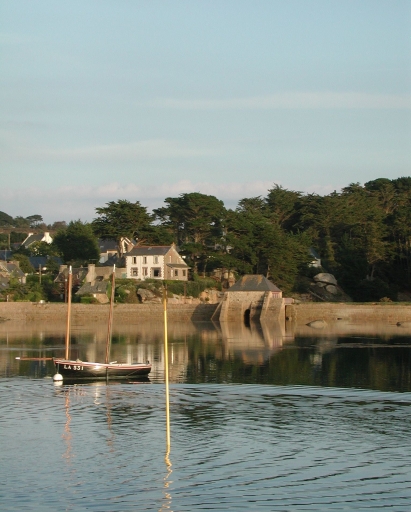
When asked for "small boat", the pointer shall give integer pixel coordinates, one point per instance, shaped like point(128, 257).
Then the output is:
point(71, 369)
point(76, 369)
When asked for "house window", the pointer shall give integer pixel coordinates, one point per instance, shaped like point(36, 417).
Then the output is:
point(145, 271)
point(156, 272)
point(176, 272)
point(134, 260)
point(145, 260)
point(134, 272)
point(184, 273)
point(155, 259)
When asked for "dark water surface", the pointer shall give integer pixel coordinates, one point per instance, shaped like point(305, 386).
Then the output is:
point(257, 422)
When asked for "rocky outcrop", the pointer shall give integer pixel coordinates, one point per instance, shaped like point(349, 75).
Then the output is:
point(325, 288)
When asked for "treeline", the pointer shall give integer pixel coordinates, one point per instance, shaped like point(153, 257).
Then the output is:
point(362, 235)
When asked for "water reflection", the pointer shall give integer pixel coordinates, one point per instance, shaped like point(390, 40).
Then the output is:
point(369, 356)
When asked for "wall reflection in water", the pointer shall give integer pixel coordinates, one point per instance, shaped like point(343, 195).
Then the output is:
point(340, 354)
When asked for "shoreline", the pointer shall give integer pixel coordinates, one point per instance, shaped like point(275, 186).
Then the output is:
point(295, 314)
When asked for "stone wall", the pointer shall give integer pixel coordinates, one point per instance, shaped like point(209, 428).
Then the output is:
point(235, 304)
point(302, 314)
point(295, 314)
point(130, 313)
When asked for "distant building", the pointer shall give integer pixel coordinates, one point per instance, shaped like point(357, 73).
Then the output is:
point(32, 238)
point(12, 269)
point(156, 262)
point(109, 248)
point(316, 260)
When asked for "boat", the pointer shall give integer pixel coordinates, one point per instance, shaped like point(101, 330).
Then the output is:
point(76, 369)
point(70, 369)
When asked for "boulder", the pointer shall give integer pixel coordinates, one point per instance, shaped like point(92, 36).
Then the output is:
point(331, 289)
point(324, 277)
point(145, 295)
point(317, 324)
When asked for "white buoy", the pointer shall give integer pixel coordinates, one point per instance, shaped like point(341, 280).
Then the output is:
point(58, 377)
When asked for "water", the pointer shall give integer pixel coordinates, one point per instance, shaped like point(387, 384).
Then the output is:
point(308, 423)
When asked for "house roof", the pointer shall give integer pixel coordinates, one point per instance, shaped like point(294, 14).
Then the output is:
point(114, 260)
point(7, 269)
point(5, 254)
point(141, 250)
point(177, 265)
point(31, 239)
point(107, 245)
point(36, 261)
point(78, 273)
point(253, 283)
point(98, 286)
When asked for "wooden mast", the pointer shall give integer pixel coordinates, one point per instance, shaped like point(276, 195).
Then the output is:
point(110, 315)
point(166, 378)
point(70, 278)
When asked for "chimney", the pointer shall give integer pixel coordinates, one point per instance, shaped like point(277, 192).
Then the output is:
point(91, 275)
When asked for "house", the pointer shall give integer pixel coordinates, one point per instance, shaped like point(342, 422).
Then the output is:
point(156, 262)
point(109, 248)
point(97, 289)
point(316, 260)
point(32, 238)
point(259, 284)
point(38, 262)
point(12, 269)
point(252, 297)
point(89, 280)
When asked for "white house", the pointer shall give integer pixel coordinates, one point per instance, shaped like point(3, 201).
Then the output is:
point(156, 262)
point(32, 238)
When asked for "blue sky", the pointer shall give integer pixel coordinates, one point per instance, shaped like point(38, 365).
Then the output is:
point(103, 100)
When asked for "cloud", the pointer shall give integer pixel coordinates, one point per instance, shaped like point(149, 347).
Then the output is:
point(153, 149)
point(292, 100)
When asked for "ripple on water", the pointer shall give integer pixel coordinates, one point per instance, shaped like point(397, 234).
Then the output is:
point(233, 447)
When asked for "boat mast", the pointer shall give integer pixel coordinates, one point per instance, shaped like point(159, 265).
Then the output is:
point(70, 278)
point(166, 376)
point(110, 315)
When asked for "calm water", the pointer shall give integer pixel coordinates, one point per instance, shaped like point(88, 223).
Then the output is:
point(259, 421)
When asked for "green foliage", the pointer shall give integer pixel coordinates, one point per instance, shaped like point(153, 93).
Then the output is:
point(88, 299)
point(191, 288)
point(77, 243)
point(374, 290)
point(122, 219)
point(34, 220)
point(363, 235)
point(196, 222)
point(24, 262)
point(5, 220)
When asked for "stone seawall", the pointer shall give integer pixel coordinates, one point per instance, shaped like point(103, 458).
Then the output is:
point(302, 314)
point(130, 313)
point(295, 314)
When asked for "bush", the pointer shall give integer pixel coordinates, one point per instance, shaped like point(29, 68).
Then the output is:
point(88, 299)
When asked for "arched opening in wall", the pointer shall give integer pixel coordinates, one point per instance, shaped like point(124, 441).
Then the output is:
point(247, 317)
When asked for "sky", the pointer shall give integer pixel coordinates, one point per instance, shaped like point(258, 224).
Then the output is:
point(102, 100)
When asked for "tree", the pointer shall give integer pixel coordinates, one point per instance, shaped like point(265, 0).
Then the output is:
point(281, 204)
point(77, 243)
point(42, 249)
point(196, 221)
point(6, 220)
point(24, 263)
point(34, 220)
point(59, 224)
point(122, 219)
